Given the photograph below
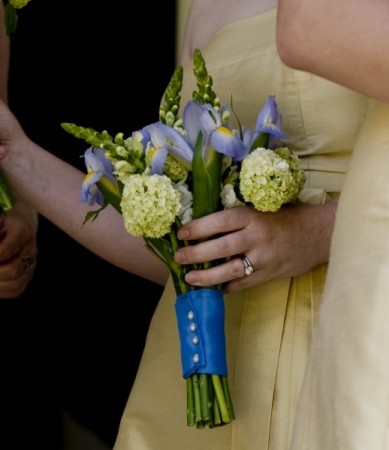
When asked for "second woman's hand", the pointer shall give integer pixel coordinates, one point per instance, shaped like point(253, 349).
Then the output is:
point(286, 243)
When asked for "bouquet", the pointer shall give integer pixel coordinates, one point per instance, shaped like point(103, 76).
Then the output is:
point(178, 169)
point(11, 15)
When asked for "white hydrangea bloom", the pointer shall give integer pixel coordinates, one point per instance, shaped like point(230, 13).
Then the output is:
point(150, 204)
point(267, 179)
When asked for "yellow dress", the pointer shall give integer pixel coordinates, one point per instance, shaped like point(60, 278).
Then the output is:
point(268, 327)
point(345, 395)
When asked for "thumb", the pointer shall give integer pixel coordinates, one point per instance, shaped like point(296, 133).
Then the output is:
point(3, 152)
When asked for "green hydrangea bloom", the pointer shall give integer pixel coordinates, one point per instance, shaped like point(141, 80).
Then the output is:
point(175, 170)
point(294, 166)
point(17, 4)
point(149, 204)
point(268, 178)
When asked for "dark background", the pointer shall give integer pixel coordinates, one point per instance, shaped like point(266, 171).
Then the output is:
point(73, 340)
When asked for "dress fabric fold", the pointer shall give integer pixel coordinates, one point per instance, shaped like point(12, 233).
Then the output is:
point(269, 327)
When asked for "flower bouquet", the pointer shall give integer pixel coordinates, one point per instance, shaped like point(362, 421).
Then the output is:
point(178, 169)
point(11, 15)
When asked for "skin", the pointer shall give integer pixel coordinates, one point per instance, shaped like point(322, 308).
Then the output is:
point(52, 187)
point(352, 35)
point(201, 27)
point(348, 351)
point(19, 226)
point(267, 240)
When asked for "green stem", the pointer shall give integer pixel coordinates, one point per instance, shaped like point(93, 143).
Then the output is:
point(216, 413)
point(7, 200)
point(204, 396)
point(221, 398)
point(228, 397)
point(180, 284)
point(190, 403)
point(197, 400)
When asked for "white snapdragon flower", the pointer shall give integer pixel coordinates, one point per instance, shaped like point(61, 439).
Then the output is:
point(229, 198)
point(186, 210)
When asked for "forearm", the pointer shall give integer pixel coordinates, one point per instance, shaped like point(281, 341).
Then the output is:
point(4, 57)
point(343, 41)
point(52, 187)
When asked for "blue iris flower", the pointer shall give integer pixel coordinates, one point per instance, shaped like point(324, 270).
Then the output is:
point(100, 169)
point(269, 121)
point(217, 136)
point(165, 139)
point(198, 120)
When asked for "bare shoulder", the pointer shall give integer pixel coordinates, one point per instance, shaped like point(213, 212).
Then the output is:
point(205, 18)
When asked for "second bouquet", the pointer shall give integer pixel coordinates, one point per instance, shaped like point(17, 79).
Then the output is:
point(180, 168)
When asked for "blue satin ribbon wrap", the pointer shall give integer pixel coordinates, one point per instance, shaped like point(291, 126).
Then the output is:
point(200, 318)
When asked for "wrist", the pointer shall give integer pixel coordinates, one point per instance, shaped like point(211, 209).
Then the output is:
point(27, 214)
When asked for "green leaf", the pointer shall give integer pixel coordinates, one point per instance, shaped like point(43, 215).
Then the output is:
point(261, 141)
point(109, 196)
point(206, 180)
point(93, 215)
point(10, 19)
point(7, 199)
point(206, 172)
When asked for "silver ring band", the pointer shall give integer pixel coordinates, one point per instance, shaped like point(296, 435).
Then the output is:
point(28, 261)
point(248, 267)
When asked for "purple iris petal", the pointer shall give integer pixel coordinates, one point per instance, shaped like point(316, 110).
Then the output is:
point(146, 136)
point(269, 120)
point(158, 160)
point(98, 166)
point(191, 119)
point(224, 141)
point(163, 136)
point(89, 191)
point(96, 161)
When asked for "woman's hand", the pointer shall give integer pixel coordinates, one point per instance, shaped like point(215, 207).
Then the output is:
point(18, 228)
point(282, 244)
point(18, 250)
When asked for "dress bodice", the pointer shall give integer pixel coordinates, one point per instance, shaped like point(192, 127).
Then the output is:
point(321, 117)
point(269, 326)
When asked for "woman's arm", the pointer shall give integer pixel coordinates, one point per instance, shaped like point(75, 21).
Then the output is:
point(52, 187)
point(345, 41)
point(18, 229)
point(4, 57)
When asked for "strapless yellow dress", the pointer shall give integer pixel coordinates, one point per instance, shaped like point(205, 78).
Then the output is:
point(345, 395)
point(268, 327)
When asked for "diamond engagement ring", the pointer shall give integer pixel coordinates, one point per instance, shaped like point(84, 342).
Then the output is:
point(248, 268)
